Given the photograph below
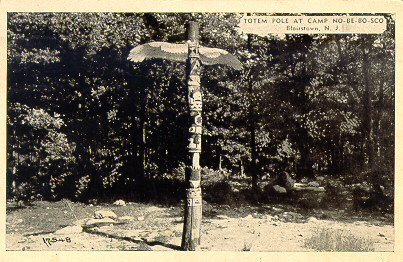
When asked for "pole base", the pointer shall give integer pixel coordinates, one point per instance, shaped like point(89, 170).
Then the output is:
point(192, 222)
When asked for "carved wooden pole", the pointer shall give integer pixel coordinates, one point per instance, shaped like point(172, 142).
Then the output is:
point(193, 204)
point(194, 55)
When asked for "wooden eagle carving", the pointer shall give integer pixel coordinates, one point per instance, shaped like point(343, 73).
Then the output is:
point(179, 52)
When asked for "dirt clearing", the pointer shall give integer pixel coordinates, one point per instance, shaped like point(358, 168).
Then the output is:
point(224, 228)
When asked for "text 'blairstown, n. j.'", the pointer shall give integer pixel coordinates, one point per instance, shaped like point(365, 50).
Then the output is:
point(305, 24)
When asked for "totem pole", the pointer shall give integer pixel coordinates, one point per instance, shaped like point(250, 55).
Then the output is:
point(194, 55)
point(193, 207)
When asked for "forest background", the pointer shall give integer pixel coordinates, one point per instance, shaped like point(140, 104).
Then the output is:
point(85, 123)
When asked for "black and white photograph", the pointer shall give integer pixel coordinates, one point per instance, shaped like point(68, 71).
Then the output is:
point(200, 131)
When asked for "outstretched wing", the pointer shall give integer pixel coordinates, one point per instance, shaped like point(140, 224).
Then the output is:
point(159, 50)
point(179, 52)
point(212, 56)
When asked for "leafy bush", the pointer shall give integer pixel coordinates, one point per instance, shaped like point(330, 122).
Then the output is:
point(39, 154)
point(23, 192)
point(219, 193)
point(82, 186)
point(338, 240)
point(177, 173)
point(333, 197)
point(211, 177)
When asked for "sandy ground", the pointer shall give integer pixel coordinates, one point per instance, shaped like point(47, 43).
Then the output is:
point(161, 229)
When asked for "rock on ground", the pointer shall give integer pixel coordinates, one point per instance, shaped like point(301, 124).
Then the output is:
point(279, 189)
point(103, 213)
point(119, 203)
point(100, 221)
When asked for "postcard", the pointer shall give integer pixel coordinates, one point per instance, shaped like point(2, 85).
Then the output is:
point(226, 131)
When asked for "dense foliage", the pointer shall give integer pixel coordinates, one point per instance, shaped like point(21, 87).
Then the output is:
point(83, 122)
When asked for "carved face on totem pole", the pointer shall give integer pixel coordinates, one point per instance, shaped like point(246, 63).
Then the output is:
point(194, 99)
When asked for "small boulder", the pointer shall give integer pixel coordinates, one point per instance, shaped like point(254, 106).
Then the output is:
point(271, 189)
point(312, 220)
point(103, 213)
point(119, 203)
point(285, 180)
point(99, 222)
point(281, 184)
point(279, 189)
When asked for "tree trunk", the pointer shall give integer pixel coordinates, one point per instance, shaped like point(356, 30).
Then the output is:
point(377, 125)
point(193, 203)
point(219, 163)
point(142, 145)
point(378, 114)
point(242, 169)
point(304, 168)
point(252, 127)
point(16, 155)
point(367, 110)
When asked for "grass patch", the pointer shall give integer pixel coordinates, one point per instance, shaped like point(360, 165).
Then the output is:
point(338, 240)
